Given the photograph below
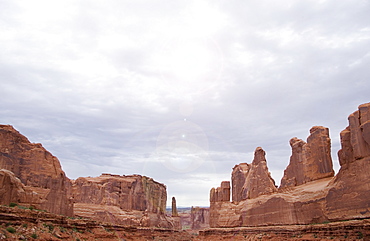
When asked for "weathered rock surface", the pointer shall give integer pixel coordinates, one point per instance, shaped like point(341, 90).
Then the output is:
point(37, 169)
point(11, 188)
point(29, 224)
point(309, 161)
point(130, 200)
point(174, 208)
point(309, 193)
point(222, 193)
point(37, 225)
point(32, 176)
point(199, 218)
point(349, 195)
point(252, 180)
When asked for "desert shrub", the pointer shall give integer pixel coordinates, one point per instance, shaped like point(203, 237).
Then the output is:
point(12, 205)
point(10, 229)
point(34, 236)
point(49, 226)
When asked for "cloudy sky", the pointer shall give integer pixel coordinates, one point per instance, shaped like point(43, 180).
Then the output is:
point(180, 91)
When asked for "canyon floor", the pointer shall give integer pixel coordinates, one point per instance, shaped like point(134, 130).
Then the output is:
point(21, 223)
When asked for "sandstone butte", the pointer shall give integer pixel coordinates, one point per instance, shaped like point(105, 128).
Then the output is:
point(32, 176)
point(309, 192)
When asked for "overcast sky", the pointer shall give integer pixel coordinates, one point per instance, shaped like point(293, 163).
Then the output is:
point(180, 91)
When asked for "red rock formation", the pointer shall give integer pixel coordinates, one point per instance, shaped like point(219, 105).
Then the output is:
point(252, 180)
point(222, 193)
point(310, 194)
point(37, 169)
point(199, 218)
point(349, 195)
point(174, 208)
point(238, 179)
point(309, 161)
point(132, 200)
point(11, 188)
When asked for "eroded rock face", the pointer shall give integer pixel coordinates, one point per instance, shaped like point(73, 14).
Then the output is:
point(37, 169)
point(238, 178)
point(132, 200)
point(11, 188)
point(199, 218)
point(309, 161)
point(222, 193)
point(309, 193)
point(252, 180)
point(349, 194)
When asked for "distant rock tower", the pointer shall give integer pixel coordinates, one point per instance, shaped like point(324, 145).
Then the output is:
point(174, 208)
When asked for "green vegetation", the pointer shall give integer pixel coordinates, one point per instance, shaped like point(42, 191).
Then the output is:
point(49, 226)
point(360, 235)
point(12, 205)
point(10, 229)
point(34, 236)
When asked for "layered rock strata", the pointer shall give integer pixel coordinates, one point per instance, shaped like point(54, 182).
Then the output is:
point(199, 218)
point(252, 180)
point(32, 176)
point(308, 193)
point(130, 200)
point(37, 170)
point(349, 195)
point(174, 208)
point(309, 161)
point(222, 193)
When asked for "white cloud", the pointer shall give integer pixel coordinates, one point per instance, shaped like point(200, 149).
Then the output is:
point(106, 86)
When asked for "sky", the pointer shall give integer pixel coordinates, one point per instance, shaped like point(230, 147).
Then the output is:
point(180, 91)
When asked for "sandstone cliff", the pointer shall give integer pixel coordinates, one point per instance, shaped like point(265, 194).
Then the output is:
point(32, 176)
point(309, 161)
point(199, 218)
point(222, 193)
point(309, 193)
point(349, 195)
point(37, 169)
point(130, 200)
point(252, 180)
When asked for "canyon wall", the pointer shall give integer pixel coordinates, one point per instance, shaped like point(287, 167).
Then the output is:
point(349, 195)
point(309, 161)
point(128, 200)
point(32, 176)
point(37, 171)
point(308, 193)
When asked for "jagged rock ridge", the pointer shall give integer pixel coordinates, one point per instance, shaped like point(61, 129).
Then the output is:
point(309, 161)
point(252, 180)
point(308, 193)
